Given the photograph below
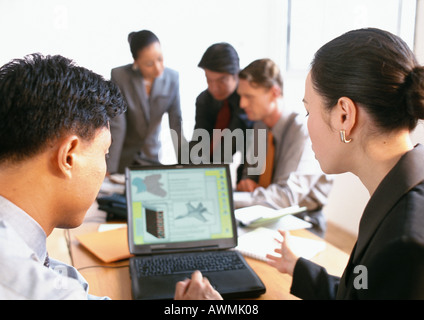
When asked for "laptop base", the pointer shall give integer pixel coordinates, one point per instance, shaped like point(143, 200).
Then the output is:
point(244, 283)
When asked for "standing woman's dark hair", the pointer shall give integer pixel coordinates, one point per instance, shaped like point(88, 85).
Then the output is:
point(139, 40)
point(376, 70)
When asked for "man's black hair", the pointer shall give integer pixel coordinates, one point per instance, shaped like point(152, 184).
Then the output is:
point(42, 98)
point(221, 57)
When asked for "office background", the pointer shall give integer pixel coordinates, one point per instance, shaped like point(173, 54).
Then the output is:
point(94, 34)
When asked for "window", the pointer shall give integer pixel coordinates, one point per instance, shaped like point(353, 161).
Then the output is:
point(315, 22)
point(312, 23)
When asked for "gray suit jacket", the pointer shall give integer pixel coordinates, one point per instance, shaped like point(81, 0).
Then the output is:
point(135, 133)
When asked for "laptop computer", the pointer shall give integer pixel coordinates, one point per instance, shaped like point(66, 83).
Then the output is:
point(184, 212)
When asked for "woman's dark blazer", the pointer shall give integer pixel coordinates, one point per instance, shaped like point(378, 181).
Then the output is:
point(387, 261)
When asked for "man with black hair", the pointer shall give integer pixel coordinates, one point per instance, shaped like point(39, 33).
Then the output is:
point(55, 137)
point(218, 106)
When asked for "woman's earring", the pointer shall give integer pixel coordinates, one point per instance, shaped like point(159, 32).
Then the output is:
point(343, 137)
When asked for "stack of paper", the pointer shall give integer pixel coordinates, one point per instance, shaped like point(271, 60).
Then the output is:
point(261, 241)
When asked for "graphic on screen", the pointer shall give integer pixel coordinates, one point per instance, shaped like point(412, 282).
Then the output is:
point(150, 184)
point(176, 205)
point(195, 212)
point(155, 223)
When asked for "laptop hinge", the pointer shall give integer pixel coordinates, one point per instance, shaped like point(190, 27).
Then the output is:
point(182, 250)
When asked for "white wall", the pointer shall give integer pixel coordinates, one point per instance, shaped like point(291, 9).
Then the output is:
point(418, 134)
point(94, 33)
point(419, 32)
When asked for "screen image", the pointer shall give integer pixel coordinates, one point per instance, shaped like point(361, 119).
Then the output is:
point(178, 205)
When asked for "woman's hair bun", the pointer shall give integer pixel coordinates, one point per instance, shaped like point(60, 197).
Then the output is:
point(414, 92)
point(138, 40)
point(130, 36)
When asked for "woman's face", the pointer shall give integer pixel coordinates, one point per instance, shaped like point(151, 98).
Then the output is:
point(150, 61)
point(325, 140)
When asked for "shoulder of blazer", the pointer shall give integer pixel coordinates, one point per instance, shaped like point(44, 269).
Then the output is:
point(122, 75)
point(127, 70)
point(412, 210)
point(203, 97)
point(169, 80)
point(404, 176)
point(171, 74)
point(122, 70)
point(167, 85)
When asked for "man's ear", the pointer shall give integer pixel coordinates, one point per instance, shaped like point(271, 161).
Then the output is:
point(66, 155)
point(276, 91)
point(345, 115)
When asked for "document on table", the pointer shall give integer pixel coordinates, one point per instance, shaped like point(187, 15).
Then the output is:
point(261, 241)
point(257, 215)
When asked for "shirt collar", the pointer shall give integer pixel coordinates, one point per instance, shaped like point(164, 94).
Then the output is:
point(279, 128)
point(25, 226)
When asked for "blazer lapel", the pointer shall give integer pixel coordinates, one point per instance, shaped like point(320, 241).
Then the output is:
point(406, 174)
point(160, 88)
point(140, 91)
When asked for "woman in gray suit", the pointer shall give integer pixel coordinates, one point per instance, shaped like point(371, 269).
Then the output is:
point(150, 90)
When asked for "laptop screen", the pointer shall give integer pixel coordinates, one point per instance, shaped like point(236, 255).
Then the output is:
point(174, 207)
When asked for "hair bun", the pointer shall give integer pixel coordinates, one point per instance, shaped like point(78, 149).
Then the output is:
point(130, 36)
point(414, 91)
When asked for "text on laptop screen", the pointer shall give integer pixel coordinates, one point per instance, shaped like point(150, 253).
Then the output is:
point(187, 204)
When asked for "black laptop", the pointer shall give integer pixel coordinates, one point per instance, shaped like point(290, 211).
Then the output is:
point(181, 219)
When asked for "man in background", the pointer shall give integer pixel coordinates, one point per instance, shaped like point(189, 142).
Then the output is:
point(218, 107)
point(291, 174)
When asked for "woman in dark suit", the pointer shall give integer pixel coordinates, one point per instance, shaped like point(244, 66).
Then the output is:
point(364, 95)
point(150, 90)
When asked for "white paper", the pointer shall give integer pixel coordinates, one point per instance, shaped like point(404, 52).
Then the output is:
point(252, 214)
point(261, 241)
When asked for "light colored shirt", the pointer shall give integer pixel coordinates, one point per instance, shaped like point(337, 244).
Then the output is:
point(297, 177)
point(22, 255)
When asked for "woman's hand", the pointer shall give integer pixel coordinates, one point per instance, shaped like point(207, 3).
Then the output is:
point(286, 262)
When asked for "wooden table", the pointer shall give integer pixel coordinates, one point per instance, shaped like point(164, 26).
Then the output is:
point(113, 279)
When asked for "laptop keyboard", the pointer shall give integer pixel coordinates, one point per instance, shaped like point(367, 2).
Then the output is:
point(187, 263)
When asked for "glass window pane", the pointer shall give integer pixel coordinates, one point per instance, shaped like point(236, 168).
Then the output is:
point(315, 22)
